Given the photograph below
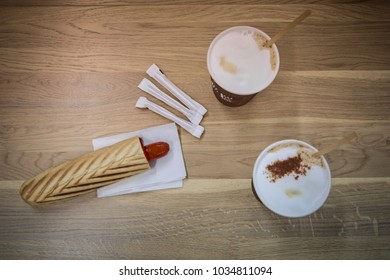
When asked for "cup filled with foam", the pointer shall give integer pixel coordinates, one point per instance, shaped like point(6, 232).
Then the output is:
point(240, 65)
point(289, 180)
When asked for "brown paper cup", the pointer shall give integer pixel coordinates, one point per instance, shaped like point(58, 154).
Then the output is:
point(229, 60)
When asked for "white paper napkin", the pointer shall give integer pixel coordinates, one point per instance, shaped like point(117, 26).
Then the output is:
point(166, 172)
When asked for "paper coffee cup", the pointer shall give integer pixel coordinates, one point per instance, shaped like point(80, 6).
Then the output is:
point(289, 180)
point(239, 64)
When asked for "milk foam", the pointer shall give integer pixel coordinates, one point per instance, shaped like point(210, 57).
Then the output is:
point(238, 64)
point(292, 195)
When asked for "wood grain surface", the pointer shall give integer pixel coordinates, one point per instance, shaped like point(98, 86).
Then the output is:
point(69, 72)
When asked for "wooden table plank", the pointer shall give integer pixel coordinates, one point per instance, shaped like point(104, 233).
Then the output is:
point(226, 222)
point(24, 3)
point(111, 39)
point(41, 110)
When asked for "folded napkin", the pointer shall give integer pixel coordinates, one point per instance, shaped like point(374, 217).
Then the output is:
point(166, 172)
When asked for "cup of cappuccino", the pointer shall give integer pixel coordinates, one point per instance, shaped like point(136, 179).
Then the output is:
point(240, 65)
point(289, 180)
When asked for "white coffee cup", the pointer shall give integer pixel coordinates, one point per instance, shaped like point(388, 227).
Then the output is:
point(289, 181)
point(240, 65)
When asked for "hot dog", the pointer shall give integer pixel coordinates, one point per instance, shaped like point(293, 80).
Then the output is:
point(91, 171)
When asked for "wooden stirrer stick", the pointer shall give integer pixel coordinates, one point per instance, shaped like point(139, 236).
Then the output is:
point(287, 28)
point(335, 145)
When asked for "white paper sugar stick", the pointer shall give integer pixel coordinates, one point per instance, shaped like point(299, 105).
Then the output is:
point(160, 77)
point(150, 88)
point(195, 130)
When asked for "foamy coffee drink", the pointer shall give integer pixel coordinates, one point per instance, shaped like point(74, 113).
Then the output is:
point(289, 180)
point(240, 65)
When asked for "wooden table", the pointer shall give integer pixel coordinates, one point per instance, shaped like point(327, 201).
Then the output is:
point(69, 72)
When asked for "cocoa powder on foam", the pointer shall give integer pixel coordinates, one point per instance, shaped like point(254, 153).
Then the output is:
point(295, 165)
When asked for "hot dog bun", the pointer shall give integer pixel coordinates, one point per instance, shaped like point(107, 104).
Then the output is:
point(86, 173)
